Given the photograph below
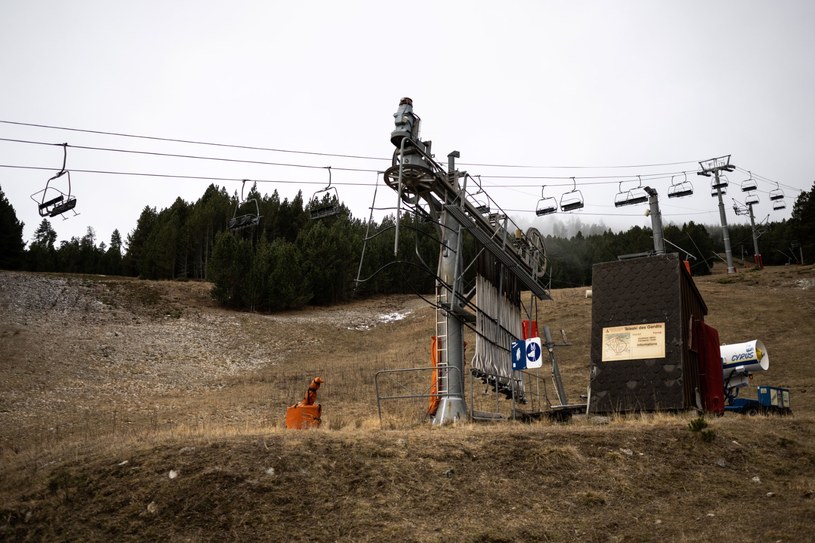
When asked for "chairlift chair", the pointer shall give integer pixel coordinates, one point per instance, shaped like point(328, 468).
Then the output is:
point(776, 193)
point(779, 204)
point(751, 199)
point(719, 183)
point(573, 199)
point(53, 201)
point(482, 205)
point(633, 196)
point(683, 188)
point(245, 220)
point(749, 184)
point(546, 205)
point(326, 202)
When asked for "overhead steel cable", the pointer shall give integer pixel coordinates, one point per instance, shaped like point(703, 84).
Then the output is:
point(767, 179)
point(178, 176)
point(192, 142)
point(628, 166)
point(192, 157)
point(325, 154)
point(565, 178)
point(588, 214)
point(654, 176)
point(618, 177)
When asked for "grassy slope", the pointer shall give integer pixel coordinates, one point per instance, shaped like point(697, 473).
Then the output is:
point(639, 479)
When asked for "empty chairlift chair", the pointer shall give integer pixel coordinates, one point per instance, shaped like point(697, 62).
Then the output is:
point(719, 184)
point(751, 199)
point(632, 196)
point(777, 198)
point(546, 205)
point(56, 198)
point(680, 189)
point(245, 219)
point(572, 200)
point(326, 202)
point(481, 203)
point(749, 184)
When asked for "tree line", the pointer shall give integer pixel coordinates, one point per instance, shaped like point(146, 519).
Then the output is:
point(281, 258)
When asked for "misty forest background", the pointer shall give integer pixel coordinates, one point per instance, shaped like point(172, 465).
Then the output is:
point(289, 260)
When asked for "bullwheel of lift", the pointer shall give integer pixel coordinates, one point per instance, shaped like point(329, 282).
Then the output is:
point(537, 258)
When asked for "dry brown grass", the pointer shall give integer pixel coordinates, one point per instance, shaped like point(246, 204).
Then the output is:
point(90, 434)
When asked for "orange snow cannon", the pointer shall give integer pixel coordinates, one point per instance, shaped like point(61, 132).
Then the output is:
point(305, 413)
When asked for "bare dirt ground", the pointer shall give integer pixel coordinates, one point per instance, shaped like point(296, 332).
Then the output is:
point(134, 410)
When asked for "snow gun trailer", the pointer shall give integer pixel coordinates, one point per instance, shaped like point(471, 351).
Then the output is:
point(771, 400)
point(739, 362)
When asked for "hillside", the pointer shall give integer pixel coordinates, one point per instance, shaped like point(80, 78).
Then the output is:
point(134, 410)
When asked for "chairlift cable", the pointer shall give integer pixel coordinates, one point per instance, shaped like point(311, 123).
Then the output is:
point(319, 153)
point(192, 142)
point(191, 177)
point(193, 157)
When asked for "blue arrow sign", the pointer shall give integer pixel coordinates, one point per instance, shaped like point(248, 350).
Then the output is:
point(519, 355)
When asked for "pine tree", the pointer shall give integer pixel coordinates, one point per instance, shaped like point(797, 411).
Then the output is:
point(803, 223)
point(12, 246)
point(42, 254)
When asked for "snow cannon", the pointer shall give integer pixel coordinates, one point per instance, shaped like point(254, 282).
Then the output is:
point(739, 360)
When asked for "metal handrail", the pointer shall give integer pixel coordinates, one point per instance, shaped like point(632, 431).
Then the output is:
point(409, 396)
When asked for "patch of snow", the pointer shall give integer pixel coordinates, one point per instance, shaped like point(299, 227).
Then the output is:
point(382, 318)
point(393, 317)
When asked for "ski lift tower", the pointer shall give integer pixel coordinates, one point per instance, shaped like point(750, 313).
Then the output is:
point(656, 220)
point(715, 166)
point(441, 196)
point(747, 209)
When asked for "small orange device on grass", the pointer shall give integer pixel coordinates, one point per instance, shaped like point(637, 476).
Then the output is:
point(305, 413)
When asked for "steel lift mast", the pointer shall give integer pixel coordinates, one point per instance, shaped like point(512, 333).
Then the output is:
point(425, 188)
point(715, 166)
point(747, 209)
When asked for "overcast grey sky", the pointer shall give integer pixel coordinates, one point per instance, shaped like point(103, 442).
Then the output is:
point(582, 84)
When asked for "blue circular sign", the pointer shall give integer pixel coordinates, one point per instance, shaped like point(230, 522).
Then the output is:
point(533, 351)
